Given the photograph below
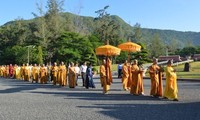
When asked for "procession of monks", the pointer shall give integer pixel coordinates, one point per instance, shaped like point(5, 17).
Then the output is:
point(40, 74)
point(132, 78)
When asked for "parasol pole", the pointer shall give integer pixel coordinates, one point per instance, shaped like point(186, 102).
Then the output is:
point(107, 43)
point(129, 67)
point(129, 61)
point(107, 69)
point(129, 57)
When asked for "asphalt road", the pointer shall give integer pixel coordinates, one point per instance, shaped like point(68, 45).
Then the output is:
point(21, 100)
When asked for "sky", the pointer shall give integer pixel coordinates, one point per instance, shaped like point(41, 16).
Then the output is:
point(180, 15)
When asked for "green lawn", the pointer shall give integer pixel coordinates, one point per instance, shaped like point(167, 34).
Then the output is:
point(194, 71)
point(114, 67)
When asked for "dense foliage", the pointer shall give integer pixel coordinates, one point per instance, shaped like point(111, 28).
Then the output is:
point(57, 36)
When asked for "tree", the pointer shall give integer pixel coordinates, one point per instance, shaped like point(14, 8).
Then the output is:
point(198, 49)
point(122, 57)
point(42, 32)
point(14, 34)
point(78, 20)
point(15, 55)
point(54, 23)
point(74, 47)
point(40, 55)
point(173, 46)
point(94, 41)
point(89, 56)
point(189, 43)
point(141, 56)
point(106, 27)
point(53, 17)
point(137, 33)
point(157, 47)
point(187, 51)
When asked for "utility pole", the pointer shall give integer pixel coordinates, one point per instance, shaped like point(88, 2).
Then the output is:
point(30, 46)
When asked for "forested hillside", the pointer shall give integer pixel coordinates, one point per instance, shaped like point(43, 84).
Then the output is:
point(86, 26)
point(58, 36)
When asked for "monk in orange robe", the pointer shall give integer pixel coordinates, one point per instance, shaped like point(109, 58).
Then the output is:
point(72, 76)
point(7, 71)
point(63, 74)
point(11, 71)
point(4, 71)
point(54, 72)
point(14, 71)
point(43, 74)
point(171, 88)
point(104, 78)
point(58, 80)
point(35, 73)
point(22, 71)
point(129, 77)
point(156, 84)
point(137, 87)
point(109, 71)
point(1, 71)
point(27, 73)
point(125, 75)
point(17, 72)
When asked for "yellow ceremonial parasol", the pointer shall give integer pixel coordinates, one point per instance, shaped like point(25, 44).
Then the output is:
point(129, 47)
point(108, 50)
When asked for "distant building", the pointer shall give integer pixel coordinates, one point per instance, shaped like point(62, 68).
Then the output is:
point(175, 58)
point(196, 57)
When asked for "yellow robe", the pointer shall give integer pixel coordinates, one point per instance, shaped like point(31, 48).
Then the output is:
point(109, 71)
point(105, 85)
point(43, 75)
point(17, 73)
point(7, 71)
point(22, 71)
point(1, 71)
point(154, 75)
point(27, 73)
point(130, 77)
point(58, 79)
point(35, 73)
point(14, 72)
point(125, 76)
point(72, 77)
point(63, 75)
point(54, 73)
point(137, 87)
point(4, 71)
point(171, 88)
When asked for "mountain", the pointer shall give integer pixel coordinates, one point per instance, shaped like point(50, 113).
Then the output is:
point(168, 35)
point(85, 25)
point(125, 30)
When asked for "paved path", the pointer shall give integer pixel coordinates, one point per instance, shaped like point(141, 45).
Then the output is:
point(21, 100)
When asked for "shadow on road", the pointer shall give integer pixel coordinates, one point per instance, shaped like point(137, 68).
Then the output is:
point(173, 111)
point(91, 96)
point(15, 86)
point(158, 110)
